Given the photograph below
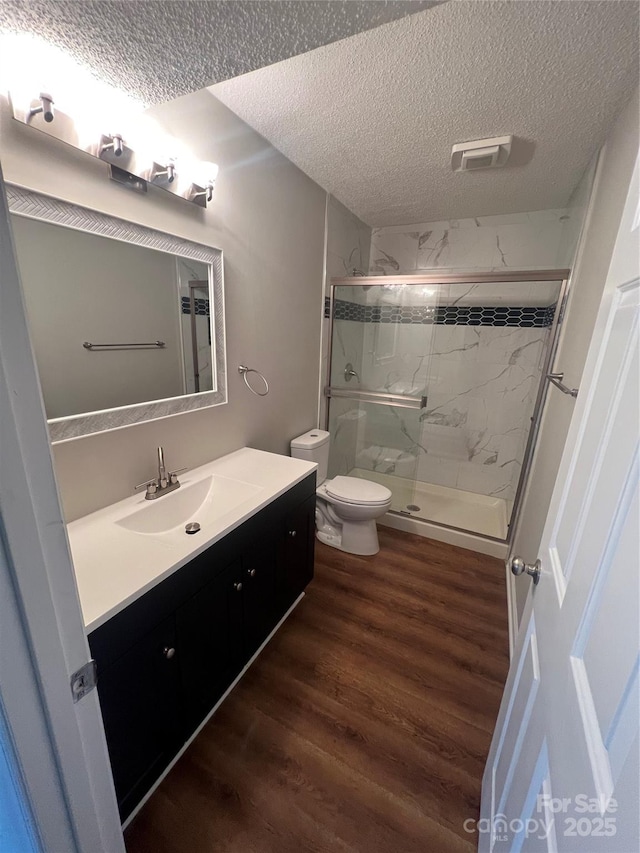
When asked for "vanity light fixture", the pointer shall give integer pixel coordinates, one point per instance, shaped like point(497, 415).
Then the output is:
point(163, 174)
point(45, 107)
point(86, 108)
point(112, 144)
point(127, 179)
point(201, 191)
point(201, 195)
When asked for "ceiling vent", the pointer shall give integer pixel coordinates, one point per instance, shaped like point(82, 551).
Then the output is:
point(481, 154)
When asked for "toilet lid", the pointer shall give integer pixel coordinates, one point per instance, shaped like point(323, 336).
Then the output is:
point(357, 491)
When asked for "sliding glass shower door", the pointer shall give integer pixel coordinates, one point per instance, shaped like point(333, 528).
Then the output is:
point(433, 389)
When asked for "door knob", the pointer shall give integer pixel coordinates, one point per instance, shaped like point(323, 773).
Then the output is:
point(292, 534)
point(251, 573)
point(519, 567)
point(168, 652)
point(238, 586)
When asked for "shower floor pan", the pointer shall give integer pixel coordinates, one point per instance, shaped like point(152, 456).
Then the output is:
point(465, 510)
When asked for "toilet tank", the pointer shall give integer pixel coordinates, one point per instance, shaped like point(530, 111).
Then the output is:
point(314, 447)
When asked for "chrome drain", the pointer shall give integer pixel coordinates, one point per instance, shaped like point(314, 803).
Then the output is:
point(413, 508)
point(192, 527)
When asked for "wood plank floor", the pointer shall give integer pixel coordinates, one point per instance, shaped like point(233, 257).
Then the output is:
point(365, 723)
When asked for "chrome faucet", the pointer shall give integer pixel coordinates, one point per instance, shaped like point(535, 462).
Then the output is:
point(165, 482)
point(162, 471)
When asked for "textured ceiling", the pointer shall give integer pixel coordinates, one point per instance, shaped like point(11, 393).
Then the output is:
point(160, 49)
point(372, 118)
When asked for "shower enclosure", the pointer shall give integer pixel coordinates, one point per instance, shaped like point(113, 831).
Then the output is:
point(436, 385)
point(195, 325)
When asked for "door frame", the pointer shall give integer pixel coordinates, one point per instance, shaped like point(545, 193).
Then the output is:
point(59, 745)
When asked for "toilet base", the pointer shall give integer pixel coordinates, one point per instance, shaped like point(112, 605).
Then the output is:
point(360, 538)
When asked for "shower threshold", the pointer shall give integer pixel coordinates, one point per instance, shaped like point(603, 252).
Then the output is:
point(442, 505)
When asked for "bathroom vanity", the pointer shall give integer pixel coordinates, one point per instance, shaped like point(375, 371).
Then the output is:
point(174, 619)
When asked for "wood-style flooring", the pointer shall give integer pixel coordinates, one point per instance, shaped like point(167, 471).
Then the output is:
point(365, 723)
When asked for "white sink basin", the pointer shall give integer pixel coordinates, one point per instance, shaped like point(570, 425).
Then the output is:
point(204, 501)
point(123, 550)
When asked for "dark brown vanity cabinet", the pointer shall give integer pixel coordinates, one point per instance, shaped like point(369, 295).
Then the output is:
point(140, 708)
point(295, 551)
point(209, 630)
point(167, 658)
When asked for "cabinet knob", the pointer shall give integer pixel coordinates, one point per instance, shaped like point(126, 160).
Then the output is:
point(251, 573)
point(168, 652)
point(238, 586)
point(292, 534)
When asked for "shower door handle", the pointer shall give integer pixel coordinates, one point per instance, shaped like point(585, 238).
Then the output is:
point(382, 398)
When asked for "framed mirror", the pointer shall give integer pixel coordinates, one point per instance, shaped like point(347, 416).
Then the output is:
point(127, 323)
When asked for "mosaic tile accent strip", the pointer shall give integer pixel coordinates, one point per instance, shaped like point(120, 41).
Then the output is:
point(201, 306)
point(327, 307)
point(525, 316)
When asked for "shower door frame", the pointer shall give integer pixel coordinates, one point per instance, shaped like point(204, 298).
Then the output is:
point(559, 275)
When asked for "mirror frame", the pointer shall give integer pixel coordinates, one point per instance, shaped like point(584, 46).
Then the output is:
point(33, 205)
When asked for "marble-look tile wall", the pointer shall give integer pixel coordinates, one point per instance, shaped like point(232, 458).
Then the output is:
point(348, 246)
point(541, 239)
point(477, 419)
point(480, 381)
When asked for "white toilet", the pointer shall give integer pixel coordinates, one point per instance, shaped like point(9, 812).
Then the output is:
point(346, 507)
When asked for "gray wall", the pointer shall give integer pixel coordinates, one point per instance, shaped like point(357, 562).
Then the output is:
point(348, 245)
point(609, 193)
point(82, 287)
point(268, 218)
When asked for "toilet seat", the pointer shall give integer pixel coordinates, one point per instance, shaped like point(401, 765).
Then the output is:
point(353, 490)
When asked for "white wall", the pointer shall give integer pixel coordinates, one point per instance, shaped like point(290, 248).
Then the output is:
point(83, 287)
point(268, 218)
point(610, 189)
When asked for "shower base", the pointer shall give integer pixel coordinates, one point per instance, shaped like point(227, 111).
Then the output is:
point(479, 514)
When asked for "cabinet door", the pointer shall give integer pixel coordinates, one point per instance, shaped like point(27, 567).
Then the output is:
point(209, 630)
point(296, 552)
point(138, 698)
point(259, 593)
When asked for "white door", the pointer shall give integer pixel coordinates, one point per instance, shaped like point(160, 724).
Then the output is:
point(60, 745)
point(562, 772)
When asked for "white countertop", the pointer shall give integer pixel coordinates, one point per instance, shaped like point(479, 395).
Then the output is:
point(115, 566)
